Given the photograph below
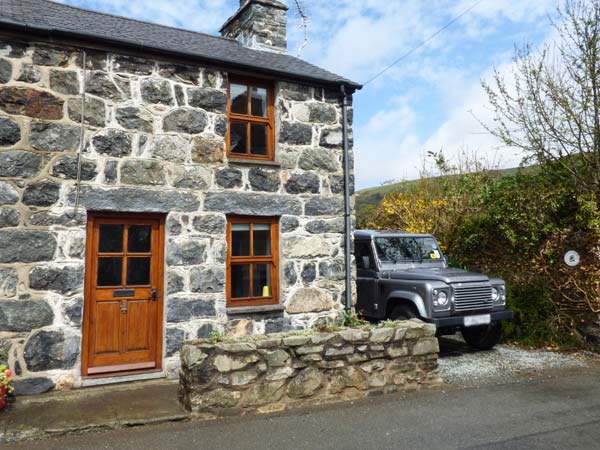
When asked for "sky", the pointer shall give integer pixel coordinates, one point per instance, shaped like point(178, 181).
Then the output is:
point(430, 101)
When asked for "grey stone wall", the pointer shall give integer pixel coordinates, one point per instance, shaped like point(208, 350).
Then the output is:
point(278, 372)
point(154, 141)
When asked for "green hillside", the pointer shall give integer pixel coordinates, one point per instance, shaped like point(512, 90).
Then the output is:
point(371, 197)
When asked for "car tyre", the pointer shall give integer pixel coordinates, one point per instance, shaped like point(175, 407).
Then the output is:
point(483, 338)
point(402, 312)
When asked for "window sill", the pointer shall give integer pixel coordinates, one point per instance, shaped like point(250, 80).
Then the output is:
point(253, 162)
point(254, 309)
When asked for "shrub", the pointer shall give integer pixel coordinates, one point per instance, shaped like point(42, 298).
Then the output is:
point(517, 227)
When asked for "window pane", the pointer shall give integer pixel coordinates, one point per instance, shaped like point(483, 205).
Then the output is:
point(261, 277)
point(239, 98)
point(138, 271)
point(238, 134)
point(240, 280)
point(258, 136)
point(262, 239)
point(138, 239)
point(109, 271)
point(259, 101)
point(111, 238)
point(363, 256)
point(240, 239)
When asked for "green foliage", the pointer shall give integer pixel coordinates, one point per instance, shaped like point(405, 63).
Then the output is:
point(352, 319)
point(216, 336)
point(538, 321)
point(369, 200)
point(509, 217)
point(516, 227)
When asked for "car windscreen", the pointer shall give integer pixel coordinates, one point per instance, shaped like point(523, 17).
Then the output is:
point(394, 249)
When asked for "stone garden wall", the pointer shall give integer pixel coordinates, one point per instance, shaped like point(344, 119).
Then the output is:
point(277, 372)
point(153, 141)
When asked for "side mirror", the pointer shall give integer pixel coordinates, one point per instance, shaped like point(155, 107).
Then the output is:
point(366, 262)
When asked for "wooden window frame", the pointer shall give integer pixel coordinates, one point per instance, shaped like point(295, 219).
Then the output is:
point(273, 299)
point(249, 119)
point(124, 254)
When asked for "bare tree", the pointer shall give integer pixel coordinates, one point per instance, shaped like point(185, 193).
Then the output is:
point(552, 112)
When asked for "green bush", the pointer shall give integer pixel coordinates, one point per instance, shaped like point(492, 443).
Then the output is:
point(516, 227)
point(538, 322)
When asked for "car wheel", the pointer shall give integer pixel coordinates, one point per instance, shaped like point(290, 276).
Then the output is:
point(402, 312)
point(483, 338)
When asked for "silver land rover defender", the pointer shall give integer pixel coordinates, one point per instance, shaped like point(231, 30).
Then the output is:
point(403, 276)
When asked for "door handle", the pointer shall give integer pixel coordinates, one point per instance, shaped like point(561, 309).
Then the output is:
point(123, 306)
point(154, 294)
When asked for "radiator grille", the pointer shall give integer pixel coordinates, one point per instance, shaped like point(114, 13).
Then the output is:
point(468, 297)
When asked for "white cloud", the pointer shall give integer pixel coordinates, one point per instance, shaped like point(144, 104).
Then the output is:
point(386, 148)
point(463, 130)
point(442, 77)
point(516, 11)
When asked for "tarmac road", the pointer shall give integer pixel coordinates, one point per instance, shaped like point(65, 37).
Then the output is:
point(561, 412)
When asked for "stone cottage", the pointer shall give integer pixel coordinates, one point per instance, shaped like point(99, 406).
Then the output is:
point(157, 185)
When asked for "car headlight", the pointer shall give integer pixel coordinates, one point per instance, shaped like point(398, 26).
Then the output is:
point(440, 298)
point(499, 294)
point(495, 294)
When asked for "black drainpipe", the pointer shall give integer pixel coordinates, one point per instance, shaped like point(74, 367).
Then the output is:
point(347, 222)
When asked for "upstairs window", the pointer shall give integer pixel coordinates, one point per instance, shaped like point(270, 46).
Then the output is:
point(252, 261)
point(250, 119)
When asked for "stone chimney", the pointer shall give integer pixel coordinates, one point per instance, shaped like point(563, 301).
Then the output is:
point(259, 24)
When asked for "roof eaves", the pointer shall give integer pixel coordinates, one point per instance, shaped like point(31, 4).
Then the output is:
point(139, 46)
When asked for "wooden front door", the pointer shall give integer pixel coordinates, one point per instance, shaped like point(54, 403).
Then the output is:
point(124, 294)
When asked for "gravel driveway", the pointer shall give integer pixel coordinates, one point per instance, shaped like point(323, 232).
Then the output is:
point(462, 366)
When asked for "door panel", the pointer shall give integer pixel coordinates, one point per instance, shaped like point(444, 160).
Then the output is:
point(138, 329)
point(106, 338)
point(366, 278)
point(124, 302)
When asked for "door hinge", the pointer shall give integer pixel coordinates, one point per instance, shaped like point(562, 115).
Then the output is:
point(123, 306)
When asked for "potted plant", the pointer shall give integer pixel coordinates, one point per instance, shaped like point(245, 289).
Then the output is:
point(5, 387)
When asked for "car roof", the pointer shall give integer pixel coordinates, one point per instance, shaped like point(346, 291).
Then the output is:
point(369, 234)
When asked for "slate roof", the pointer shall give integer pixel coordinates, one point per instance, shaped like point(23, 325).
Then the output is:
point(55, 19)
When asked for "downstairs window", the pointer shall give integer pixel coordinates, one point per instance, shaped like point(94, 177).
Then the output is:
point(252, 261)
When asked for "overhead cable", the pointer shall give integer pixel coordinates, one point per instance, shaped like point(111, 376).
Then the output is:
point(422, 43)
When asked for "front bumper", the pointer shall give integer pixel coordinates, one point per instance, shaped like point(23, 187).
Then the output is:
point(458, 321)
